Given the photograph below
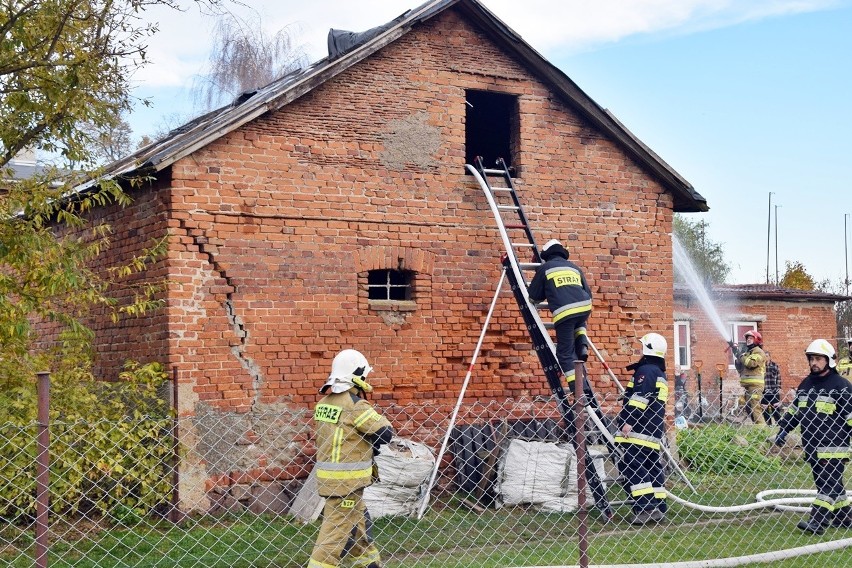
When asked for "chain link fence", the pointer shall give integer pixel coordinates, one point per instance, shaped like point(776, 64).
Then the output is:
point(505, 493)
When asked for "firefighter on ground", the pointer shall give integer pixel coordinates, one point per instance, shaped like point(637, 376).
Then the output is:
point(349, 433)
point(751, 365)
point(844, 366)
point(822, 410)
point(641, 427)
point(569, 299)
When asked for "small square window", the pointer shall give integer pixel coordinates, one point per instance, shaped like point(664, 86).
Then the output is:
point(390, 285)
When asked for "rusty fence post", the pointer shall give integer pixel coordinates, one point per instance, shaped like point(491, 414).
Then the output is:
point(174, 511)
point(42, 470)
point(580, 427)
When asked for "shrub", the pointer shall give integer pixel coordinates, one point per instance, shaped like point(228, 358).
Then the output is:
point(110, 444)
point(722, 448)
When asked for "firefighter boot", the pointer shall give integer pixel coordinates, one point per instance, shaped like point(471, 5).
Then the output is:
point(583, 352)
point(640, 518)
point(814, 524)
point(842, 518)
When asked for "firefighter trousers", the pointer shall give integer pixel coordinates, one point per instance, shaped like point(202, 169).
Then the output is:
point(346, 529)
point(570, 336)
point(643, 470)
point(831, 495)
point(753, 395)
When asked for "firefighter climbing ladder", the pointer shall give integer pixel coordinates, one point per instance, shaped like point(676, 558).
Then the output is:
point(504, 201)
point(522, 241)
point(513, 267)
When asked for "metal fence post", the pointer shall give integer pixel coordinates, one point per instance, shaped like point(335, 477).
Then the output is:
point(174, 512)
point(42, 469)
point(580, 427)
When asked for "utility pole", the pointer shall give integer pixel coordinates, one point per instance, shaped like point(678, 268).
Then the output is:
point(846, 250)
point(768, 232)
point(776, 244)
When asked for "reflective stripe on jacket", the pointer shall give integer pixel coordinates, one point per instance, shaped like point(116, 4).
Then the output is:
point(645, 407)
point(563, 285)
point(823, 411)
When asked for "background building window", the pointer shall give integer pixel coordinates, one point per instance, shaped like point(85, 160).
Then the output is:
point(683, 355)
point(390, 285)
point(738, 330)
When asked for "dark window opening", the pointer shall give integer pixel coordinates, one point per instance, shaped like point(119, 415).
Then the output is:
point(390, 285)
point(491, 125)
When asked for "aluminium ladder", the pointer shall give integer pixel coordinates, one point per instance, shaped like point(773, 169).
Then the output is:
point(542, 342)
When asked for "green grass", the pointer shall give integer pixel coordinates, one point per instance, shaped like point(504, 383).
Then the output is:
point(452, 536)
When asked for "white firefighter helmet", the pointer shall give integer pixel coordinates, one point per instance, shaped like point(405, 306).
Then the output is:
point(654, 344)
point(552, 249)
point(823, 347)
point(550, 243)
point(348, 369)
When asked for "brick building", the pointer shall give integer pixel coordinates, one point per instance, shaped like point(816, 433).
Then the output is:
point(332, 209)
point(787, 319)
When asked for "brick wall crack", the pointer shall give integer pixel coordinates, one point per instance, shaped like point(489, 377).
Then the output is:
point(241, 332)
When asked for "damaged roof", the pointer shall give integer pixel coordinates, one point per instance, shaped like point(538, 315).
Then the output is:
point(764, 292)
point(349, 49)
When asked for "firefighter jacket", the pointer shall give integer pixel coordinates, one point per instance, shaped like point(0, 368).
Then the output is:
point(751, 365)
point(345, 425)
point(823, 410)
point(563, 285)
point(645, 406)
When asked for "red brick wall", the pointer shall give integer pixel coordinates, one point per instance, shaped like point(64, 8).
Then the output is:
point(275, 225)
point(135, 228)
point(787, 330)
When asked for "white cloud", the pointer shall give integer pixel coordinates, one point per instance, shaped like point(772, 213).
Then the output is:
point(180, 50)
point(576, 25)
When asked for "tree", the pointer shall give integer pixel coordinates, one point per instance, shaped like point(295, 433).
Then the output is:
point(707, 256)
point(244, 58)
point(64, 83)
point(797, 278)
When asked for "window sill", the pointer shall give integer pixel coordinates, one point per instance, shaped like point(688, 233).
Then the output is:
point(392, 305)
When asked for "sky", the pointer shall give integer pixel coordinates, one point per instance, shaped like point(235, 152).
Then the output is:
point(749, 100)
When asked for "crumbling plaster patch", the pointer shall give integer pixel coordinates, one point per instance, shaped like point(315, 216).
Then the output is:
point(410, 141)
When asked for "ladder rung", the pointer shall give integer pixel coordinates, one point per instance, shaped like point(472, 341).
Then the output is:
point(508, 207)
point(528, 265)
point(492, 172)
point(523, 245)
point(509, 189)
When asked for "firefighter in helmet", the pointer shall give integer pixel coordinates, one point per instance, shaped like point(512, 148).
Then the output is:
point(641, 426)
point(844, 366)
point(751, 365)
point(349, 433)
point(569, 299)
point(822, 410)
